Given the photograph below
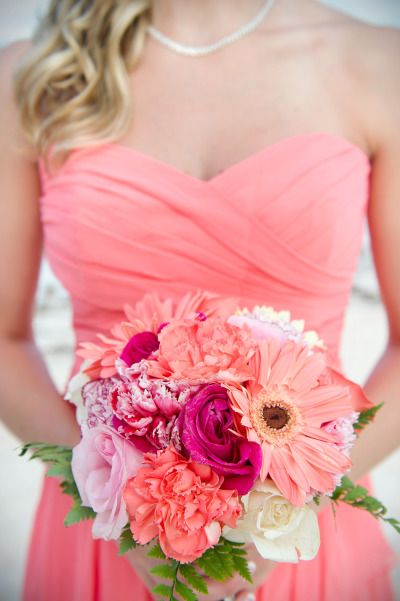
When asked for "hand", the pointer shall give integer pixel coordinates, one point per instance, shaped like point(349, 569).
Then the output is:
point(235, 587)
point(142, 564)
point(260, 568)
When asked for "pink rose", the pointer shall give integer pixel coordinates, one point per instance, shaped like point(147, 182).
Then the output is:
point(101, 464)
point(181, 502)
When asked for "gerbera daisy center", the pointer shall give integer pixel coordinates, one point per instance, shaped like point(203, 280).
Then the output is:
point(275, 417)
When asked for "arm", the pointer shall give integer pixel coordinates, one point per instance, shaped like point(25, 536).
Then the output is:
point(383, 122)
point(29, 402)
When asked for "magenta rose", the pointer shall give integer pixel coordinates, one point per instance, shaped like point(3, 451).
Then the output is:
point(139, 347)
point(205, 425)
point(102, 462)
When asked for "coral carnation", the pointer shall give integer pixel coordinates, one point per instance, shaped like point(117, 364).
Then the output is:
point(181, 502)
point(204, 351)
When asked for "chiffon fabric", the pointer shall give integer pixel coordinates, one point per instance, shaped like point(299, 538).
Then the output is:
point(282, 227)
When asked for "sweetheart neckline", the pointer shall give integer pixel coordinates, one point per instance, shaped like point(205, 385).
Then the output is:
point(237, 166)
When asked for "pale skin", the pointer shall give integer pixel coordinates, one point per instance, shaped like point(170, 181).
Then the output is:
point(306, 68)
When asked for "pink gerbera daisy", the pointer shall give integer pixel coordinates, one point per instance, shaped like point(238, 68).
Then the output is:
point(284, 410)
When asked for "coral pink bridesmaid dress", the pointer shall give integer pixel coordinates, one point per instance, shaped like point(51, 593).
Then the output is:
point(282, 227)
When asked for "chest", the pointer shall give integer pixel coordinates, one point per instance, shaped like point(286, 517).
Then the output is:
point(202, 116)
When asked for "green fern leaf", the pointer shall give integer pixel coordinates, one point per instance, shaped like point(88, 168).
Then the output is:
point(126, 541)
point(156, 552)
point(165, 570)
point(195, 579)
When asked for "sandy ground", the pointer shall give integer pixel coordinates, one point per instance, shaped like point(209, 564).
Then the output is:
point(363, 340)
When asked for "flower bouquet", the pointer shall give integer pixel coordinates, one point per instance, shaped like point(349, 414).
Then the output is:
point(206, 426)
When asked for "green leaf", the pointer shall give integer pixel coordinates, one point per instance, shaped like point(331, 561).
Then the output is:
point(393, 522)
point(70, 488)
point(217, 563)
point(366, 417)
point(60, 469)
point(212, 569)
point(59, 459)
point(165, 570)
point(236, 551)
point(78, 513)
point(356, 493)
point(168, 590)
point(373, 505)
point(195, 579)
point(184, 591)
point(163, 590)
point(242, 567)
point(126, 541)
point(156, 552)
point(47, 453)
point(357, 496)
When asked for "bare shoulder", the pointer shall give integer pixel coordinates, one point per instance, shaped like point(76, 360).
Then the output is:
point(371, 51)
point(11, 53)
point(369, 56)
point(10, 124)
point(374, 54)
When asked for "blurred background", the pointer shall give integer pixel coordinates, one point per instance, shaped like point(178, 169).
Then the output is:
point(364, 338)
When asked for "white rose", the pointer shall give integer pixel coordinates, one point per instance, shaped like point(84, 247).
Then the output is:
point(74, 394)
point(279, 530)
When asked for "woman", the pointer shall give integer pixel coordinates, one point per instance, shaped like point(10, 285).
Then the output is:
point(246, 170)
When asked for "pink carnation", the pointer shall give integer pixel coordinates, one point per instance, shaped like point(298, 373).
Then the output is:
point(95, 396)
point(342, 429)
point(204, 351)
point(145, 410)
point(181, 502)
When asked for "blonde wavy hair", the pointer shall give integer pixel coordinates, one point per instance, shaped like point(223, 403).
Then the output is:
point(71, 87)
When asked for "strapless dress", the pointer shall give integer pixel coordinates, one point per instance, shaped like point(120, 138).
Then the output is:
point(282, 227)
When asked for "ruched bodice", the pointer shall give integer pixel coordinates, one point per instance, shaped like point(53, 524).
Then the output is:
point(282, 227)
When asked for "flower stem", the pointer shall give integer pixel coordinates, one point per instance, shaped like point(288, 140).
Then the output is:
point(176, 565)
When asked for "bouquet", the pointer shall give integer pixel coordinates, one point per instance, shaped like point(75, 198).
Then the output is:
point(205, 427)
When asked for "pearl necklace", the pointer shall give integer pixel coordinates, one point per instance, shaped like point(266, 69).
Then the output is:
point(204, 50)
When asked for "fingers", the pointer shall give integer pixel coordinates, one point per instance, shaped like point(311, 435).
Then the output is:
point(223, 590)
point(245, 596)
point(231, 590)
point(252, 567)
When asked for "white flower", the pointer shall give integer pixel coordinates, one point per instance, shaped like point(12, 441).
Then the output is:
point(279, 530)
point(265, 322)
point(74, 394)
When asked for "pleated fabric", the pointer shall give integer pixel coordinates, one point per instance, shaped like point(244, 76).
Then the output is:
point(282, 227)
